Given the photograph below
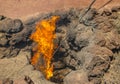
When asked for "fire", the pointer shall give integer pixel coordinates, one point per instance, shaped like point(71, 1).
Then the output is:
point(44, 36)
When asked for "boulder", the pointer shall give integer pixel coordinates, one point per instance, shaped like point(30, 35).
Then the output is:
point(11, 26)
point(76, 77)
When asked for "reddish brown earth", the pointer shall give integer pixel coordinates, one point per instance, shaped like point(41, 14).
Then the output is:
point(22, 8)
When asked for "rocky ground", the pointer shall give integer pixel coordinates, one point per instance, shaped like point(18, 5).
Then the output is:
point(88, 52)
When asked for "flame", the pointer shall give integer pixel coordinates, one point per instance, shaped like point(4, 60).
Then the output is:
point(44, 36)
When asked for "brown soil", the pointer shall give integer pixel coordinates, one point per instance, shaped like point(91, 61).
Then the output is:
point(22, 8)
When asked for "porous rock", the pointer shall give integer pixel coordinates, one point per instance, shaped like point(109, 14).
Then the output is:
point(10, 26)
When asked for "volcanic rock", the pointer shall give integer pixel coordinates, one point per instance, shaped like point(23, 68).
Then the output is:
point(10, 26)
point(99, 63)
point(110, 40)
point(84, 53)
point(83, 36)
point(89, 47)
point(76, 77)
point(113, 74)
point(21, 37)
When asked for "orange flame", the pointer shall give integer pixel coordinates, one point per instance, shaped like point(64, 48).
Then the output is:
point(44, 36)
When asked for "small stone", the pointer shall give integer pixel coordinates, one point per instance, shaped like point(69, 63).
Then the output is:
point(17, 26)
point(3, 39)
point(10, 26)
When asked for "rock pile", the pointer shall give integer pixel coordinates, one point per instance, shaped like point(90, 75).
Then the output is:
point(86, 48)
point(87, 44)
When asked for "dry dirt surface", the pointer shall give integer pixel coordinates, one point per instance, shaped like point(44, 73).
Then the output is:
point(21, 8)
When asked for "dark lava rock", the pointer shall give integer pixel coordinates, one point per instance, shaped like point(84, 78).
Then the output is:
point(10, 26)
